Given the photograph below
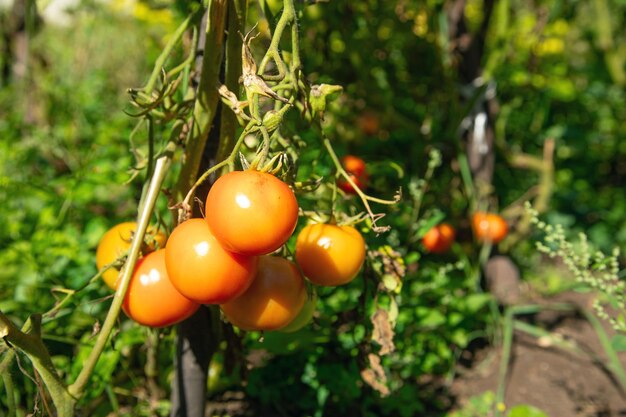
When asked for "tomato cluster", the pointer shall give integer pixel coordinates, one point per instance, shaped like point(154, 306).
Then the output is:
point(225, 259)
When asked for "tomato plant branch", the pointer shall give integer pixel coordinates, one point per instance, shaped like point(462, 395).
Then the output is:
point(364, 197)
point(206, 101)
point(173, 41)
point(161, 167)
point(228, 123)
point(288, 16)
point(32, 345)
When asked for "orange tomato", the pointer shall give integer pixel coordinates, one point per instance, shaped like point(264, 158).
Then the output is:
point(251, 212)
point(274, 299)
point(201, 269)
point(439, 239)
point(489, 227)
point(330, 255)
point(116, 242)
point(354, 165)
point(305, 315)
point(151, 298)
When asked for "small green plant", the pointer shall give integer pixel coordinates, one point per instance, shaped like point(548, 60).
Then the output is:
point(592, 268)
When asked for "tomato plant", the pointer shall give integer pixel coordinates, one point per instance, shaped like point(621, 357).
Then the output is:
point(489, 227)
point(201, 269)
point(116, 242)
point(251, 212)
point(274, 299)
point(151, 298)
point(439, 239)
point(357, 170)
point(330, 255)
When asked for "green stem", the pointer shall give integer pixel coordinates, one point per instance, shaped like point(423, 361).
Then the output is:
point(32, 345)
point(615, 365)
point(8, 388)
point(228, 122)
point(169, 47)
point(364, 198)
point(507, 343)
point(207, 95)
point(161, 167)
point(288, 16)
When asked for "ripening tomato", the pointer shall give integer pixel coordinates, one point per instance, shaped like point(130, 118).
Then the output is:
point(274, 299)
point(357, 171)
point(305, 315)
point(369, 123)
point(251, 212)
point(151, 298)
point(354, 165)
point(330, 255)
point(201, 269)
point(347, 187)
point(439, 239)
point(116, 242)
point(489, 227)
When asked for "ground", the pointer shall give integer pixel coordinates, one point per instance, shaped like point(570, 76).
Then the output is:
point(556, 380)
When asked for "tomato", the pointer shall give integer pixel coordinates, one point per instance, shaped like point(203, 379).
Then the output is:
point(330, 255)
point(201, 269)
point(305, 315)
point(116, 242)
point(354, 165)
point(489, 227)
point(357, 171)
point(369, 123)
point(439, 239)
point(251, 212)
point(347, 187)
point(151, 298)
point(274, 299)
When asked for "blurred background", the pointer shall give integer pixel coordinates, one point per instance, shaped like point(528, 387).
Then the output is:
point(535, 87)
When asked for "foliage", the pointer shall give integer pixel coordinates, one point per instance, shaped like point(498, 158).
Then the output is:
point(386, 88)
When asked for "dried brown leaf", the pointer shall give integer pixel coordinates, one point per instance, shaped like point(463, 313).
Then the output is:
point(383, 331)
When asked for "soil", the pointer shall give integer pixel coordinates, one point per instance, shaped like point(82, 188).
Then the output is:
point(558, 381)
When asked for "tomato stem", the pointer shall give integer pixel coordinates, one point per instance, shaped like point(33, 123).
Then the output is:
point(364, 197)
point(161, 167)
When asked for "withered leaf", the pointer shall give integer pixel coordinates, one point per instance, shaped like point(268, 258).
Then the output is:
point(375, 375)
point(383, 331)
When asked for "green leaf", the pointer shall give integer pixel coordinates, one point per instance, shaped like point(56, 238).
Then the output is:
point(475, 302)
point(426, 225)
point(618, 342)
point(526, 411)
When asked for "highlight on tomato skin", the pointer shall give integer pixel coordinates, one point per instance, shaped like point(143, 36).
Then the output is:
point(201, 269)
point(116, 242)
point(151, 299)
point(439, 238)
point(489, 227)
point(274, 299)
point(330, 255)
point(251, 212)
